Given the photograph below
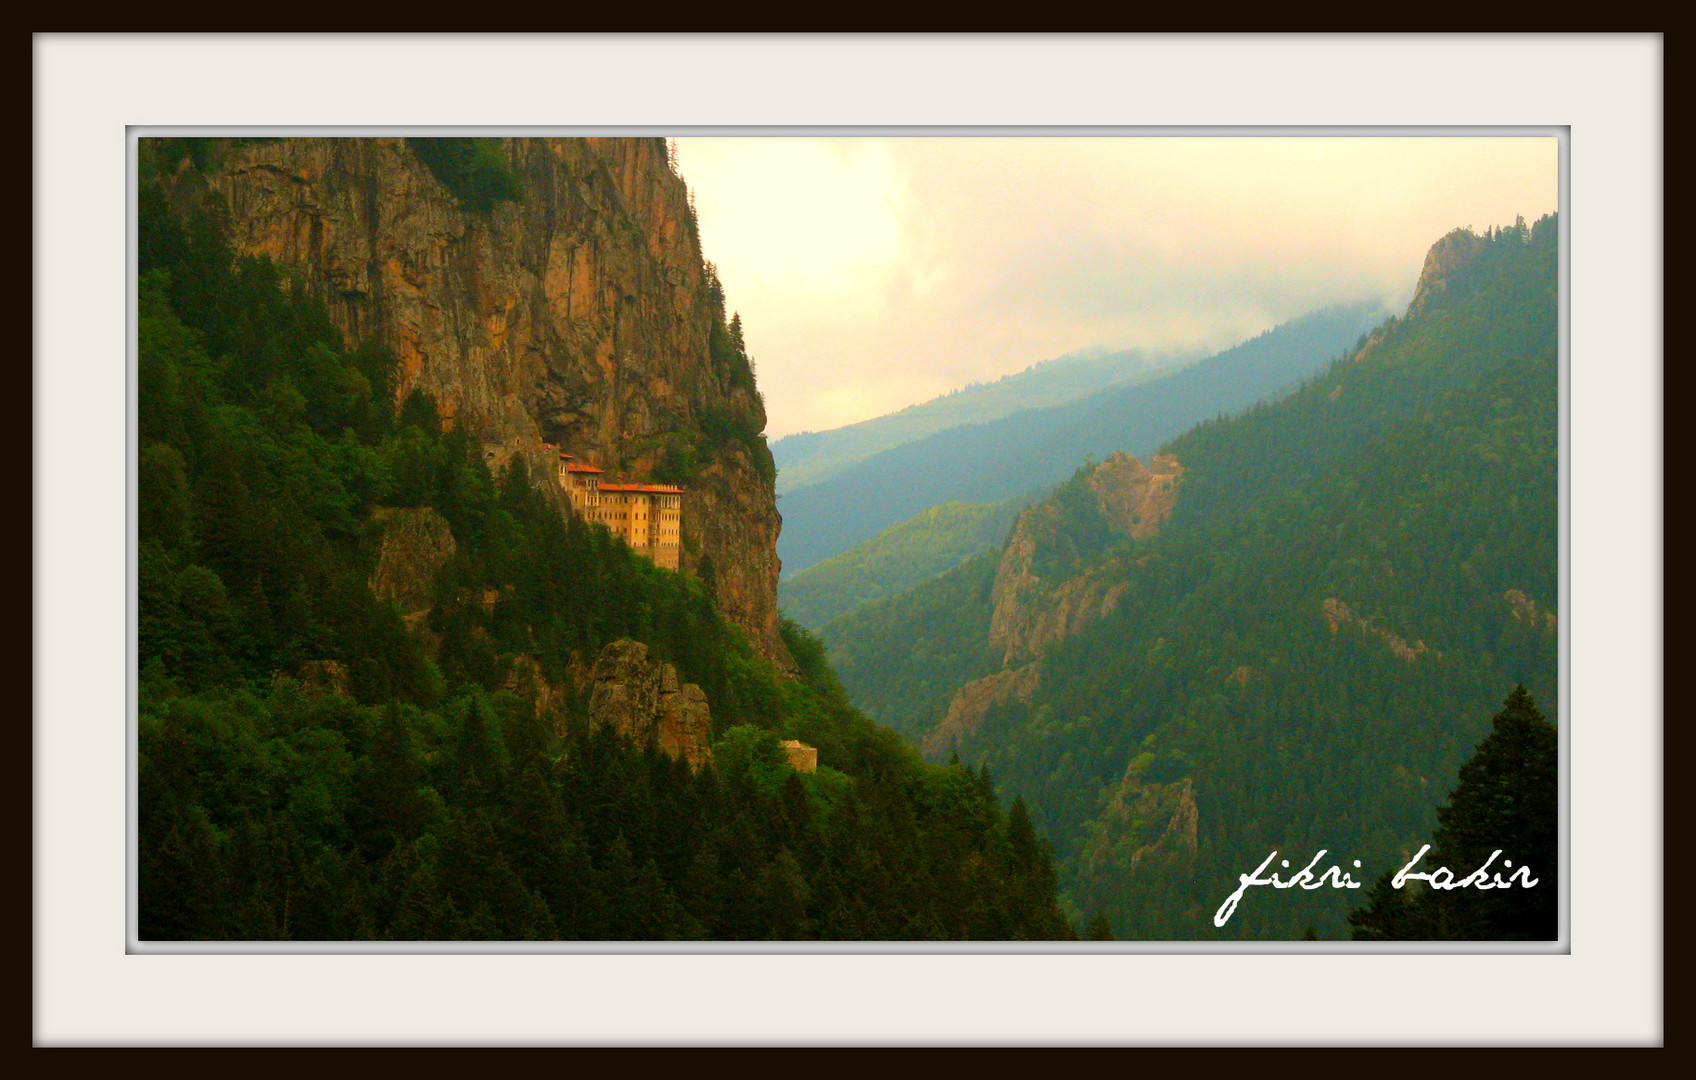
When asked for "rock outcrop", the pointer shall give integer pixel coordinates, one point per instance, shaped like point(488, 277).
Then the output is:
point(1446, 258)
point(414, 543)
point(553, 701)
point(1033, 607)
point(1031, 611)
point(1143, 820)
point(972, 702)
point(1338, 615)
point(642, 698)
point(1135, 499)
point(580, 315)
point(1525, 610)
point(320, 677)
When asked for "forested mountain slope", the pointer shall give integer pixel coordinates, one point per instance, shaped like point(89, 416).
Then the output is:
point(896, 559)
point(375, 671)
point(1286, 632)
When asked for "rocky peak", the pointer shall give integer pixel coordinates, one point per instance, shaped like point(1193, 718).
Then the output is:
point(1134, 499)
point(1032, 611)
point(1446, 257)
point(972, 702)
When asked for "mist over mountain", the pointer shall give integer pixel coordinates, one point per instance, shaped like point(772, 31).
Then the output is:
point(809, 457)
point(996, 460)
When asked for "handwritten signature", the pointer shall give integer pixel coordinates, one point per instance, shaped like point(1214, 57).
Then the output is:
point(1440, 878)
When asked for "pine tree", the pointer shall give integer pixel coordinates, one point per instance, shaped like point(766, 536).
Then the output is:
point(1507, 801)
point(1100, 929)
point(387, 808)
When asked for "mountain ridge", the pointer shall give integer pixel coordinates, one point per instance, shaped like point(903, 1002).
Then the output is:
point(809, 457)
point(1032, 449)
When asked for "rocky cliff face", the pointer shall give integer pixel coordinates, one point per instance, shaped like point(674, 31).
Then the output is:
point(1031, 611)
point(1143, 823)
point(578, 315)
point(972, 702)
point(1446, 257)
point(414, 543)
point(643, 699)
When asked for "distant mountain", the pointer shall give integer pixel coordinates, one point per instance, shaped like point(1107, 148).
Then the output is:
point(1285, 632)
point(993, 461)
point(810, 457)
point(896, 559)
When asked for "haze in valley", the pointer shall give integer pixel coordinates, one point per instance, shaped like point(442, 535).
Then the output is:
point(874, 273)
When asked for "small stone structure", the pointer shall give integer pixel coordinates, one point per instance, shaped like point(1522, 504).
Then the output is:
point(802, 758)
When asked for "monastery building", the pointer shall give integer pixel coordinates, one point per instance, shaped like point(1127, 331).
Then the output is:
point(648, 517)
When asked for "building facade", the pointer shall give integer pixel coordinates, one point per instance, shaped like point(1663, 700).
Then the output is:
point(647, 517)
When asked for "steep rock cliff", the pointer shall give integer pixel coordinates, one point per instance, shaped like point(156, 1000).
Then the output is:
point(580, 314)
point(1144, 822)
point(1037, 601)
point(1443, 261)
point(1031, 608)
point(972, 702)
point(414, 543)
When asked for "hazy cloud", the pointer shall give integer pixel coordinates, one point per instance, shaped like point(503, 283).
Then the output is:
point(875, 272)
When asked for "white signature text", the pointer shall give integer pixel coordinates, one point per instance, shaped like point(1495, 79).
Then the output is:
point(1440, 878)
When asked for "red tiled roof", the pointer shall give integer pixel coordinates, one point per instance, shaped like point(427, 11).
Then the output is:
point(575, 467)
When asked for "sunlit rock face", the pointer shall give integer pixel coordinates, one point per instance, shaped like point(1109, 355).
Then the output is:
point(1033, 608)
point(578, 315)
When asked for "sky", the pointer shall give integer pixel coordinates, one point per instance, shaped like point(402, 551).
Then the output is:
point(874, 273)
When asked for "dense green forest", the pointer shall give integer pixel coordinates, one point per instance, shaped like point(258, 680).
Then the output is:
point(1353, 578)
point(903, 658)
point(999, 459)
point(312, 768)
point(896, 559)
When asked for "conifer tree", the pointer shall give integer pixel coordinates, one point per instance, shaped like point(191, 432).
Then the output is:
point(1507, 801)
point(1100, 929)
